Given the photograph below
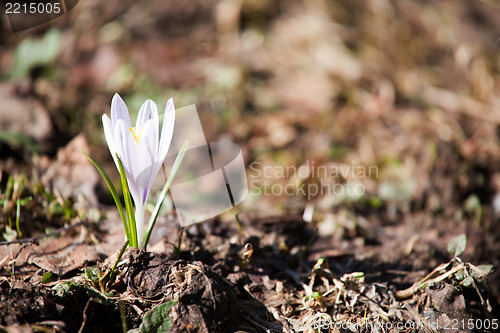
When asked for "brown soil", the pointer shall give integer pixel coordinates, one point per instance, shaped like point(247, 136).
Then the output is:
point(408, 88)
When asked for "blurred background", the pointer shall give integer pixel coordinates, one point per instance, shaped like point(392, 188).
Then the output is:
point(409, 87)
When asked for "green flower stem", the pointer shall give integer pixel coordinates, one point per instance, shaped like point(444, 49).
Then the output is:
point(140, 211)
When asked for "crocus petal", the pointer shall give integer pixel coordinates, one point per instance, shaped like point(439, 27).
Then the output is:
point(119, 111)
point(167, 130)
point(147, 112)
point(109, 135)
point(135, 167)
point(148, 146)
point(126, 148)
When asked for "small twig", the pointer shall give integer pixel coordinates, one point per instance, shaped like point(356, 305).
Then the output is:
point(34, 240)
point(7, 257)
point(485, 304)
point(14, 258)
point(428, 280)
point(85, 315)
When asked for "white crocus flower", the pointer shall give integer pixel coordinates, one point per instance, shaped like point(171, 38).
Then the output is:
point(140, 148)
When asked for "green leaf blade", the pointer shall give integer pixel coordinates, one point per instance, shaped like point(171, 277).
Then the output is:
point(129, 206)
point(157, 320)
point(457, 245)
point(171, 176)
point(482, 271)
point(112, 189)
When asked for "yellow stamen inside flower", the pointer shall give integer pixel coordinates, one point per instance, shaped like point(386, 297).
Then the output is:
point(136, 137)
